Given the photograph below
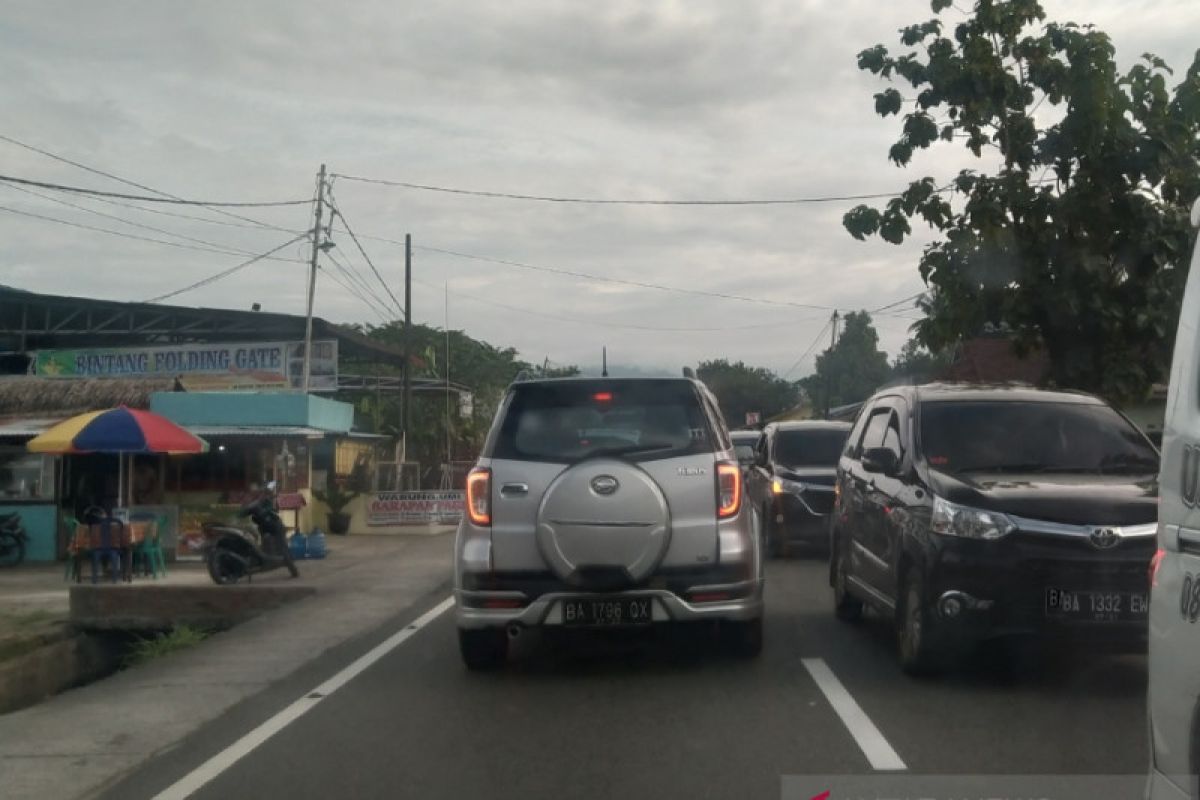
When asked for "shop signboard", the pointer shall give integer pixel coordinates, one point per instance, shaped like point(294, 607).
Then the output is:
point(234, 365)
point(414, 508)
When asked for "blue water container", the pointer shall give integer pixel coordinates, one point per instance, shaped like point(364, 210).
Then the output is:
point(316, 544)
point(298, 545)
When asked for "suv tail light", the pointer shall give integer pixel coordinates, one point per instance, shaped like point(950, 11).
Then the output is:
point(729, 489)
point(479, 496)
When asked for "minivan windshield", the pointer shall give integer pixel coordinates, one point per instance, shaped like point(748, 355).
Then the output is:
point(575, 420)
point(1013, 436)
point(816, 448)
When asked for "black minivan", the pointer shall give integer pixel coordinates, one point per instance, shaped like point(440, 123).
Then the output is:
point(971, 512)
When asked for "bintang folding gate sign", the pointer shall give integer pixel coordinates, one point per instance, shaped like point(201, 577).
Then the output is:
point(414, 508)
point(250, 365)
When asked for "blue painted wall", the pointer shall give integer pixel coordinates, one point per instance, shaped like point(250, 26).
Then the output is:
point(253, 409)
point(40, 522)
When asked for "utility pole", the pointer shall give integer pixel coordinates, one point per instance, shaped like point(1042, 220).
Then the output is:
point(312, 279)
point(406, 421)
point(829, 364)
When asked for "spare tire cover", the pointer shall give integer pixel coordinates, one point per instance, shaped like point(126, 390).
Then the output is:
point(603, 519)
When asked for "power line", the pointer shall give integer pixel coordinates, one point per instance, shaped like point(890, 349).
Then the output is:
point(224, 273)
point(808, 350)
point(355, 277)
point(897, 303)
point(354, 286)
point(624, 282)
point(616, 201)
point(606, 323)
point(123, 235)
point(58, 187)
point(336, 209)
point(124, 221)
point(126, 181)
point(333, 277)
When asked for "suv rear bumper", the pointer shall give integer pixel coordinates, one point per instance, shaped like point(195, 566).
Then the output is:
point(668, 607)
point(802, 517)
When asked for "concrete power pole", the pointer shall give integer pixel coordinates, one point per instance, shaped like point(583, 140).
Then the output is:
point(832, 343)
point(312, 279)
point(406, 412)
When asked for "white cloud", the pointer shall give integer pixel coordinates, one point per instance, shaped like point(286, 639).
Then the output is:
point(687, 98)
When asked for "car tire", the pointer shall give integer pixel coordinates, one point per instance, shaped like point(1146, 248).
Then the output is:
point(483, 650)
point(918, 639)
point(771, 542)
point(743, 639)
point(846, 606)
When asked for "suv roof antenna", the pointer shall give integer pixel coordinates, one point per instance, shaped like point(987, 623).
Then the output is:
point(604, 362)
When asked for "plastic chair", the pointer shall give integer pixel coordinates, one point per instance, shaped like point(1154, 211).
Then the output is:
point(149, 551)
point(109, 548)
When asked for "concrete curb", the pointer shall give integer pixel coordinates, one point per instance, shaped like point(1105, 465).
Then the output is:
point(58, 664)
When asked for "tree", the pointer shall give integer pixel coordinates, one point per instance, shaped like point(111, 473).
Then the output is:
point(485, 369)
point(1088, 264)
point(740, 388)
point(916, 364)
point(852, 369)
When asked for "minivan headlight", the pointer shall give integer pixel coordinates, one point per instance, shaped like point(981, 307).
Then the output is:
point(951, 519)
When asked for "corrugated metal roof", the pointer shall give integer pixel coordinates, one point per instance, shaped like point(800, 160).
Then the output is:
point(262, 430)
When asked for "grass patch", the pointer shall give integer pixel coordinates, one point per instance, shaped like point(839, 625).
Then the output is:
point(147, 649)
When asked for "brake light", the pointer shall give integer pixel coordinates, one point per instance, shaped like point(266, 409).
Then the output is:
point(729, 489)
point(602, 397)
point(1155, 563)
point(479, 496)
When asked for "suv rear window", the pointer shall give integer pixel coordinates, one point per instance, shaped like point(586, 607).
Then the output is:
point(572, 421)
point(1032, 437)
point(809, 448)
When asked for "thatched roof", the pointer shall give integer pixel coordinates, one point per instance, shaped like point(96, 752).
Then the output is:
point(66, 396)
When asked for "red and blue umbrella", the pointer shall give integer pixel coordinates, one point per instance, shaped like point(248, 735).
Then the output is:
point(118, 430)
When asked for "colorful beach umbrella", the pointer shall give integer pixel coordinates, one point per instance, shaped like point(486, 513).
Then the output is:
point(117, 430)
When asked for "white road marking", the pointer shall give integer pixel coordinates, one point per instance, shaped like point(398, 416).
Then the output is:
point(201, 775)
point(866, 735)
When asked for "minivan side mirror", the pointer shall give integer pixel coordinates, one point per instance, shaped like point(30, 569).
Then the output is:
point(881, 460)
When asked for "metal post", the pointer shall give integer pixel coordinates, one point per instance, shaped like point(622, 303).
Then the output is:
point(312, 279)
point(406, 412)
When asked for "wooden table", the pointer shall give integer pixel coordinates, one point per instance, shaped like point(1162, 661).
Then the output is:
point(125, 537)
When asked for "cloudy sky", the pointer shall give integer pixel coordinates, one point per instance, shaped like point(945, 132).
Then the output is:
point(619, 99)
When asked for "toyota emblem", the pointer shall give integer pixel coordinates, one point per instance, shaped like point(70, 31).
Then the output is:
point(605, 485)
point(1104, 538)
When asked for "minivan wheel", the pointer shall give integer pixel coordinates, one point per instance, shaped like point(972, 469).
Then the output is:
point(743, 639)
point(483, 650)
point(918, 638)
point(846, 606)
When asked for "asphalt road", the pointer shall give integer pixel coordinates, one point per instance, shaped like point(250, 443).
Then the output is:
point(629, 718)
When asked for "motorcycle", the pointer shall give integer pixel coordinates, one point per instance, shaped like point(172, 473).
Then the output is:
point(12, 540)
point(233, 553)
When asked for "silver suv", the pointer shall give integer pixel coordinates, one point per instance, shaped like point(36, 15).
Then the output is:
point(601, 503)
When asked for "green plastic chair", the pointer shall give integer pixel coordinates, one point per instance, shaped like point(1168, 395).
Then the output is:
point(149, 551)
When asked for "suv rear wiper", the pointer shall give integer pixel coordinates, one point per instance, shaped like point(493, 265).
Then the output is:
point(632, 449)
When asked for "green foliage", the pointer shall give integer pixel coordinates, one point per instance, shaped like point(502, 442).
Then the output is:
point(486, 369)
point(163, 644)
point(1074, 232)
point(740, 388)
point(335, 496)
point(853, 369)
point(916, 364)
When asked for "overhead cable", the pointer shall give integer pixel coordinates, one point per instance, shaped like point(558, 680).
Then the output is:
point(225, 273)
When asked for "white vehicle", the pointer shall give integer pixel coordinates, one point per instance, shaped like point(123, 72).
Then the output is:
point(1174, 701)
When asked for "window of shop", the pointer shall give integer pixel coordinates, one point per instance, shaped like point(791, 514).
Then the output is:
point(25, 476)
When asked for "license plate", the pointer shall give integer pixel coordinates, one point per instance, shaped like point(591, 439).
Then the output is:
point(1097, 606)
point(618, 611)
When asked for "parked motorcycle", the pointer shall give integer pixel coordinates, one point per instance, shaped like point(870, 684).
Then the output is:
point(12, 540)
point(233, 553)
